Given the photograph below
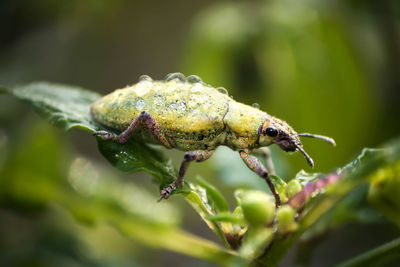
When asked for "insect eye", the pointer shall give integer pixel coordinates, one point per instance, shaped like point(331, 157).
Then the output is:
point(271, 131)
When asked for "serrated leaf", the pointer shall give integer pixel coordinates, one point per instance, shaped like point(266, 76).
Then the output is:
point(64, 106)
point(135, 157)
point(68, 107)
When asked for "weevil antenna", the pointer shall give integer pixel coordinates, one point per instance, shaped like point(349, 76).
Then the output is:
point(308, 158)
point(322, 137)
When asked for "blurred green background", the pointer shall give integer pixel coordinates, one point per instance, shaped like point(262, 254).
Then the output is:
point(329, 67)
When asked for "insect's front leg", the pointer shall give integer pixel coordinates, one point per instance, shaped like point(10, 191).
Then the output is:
point(199, 155)
point(144, 118)
point(255, 165)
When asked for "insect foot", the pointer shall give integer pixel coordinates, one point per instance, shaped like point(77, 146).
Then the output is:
point(166, 192)
point(104, 135)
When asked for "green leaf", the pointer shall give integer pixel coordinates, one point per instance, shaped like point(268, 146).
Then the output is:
point(220, 203)
point(68, 107)
point(353, 208)
point(135, 156)
point(178, 241)
point(385, 190)
point(385, 255)
point(365, 164)
point(197, 198)
point(280, 186)
point(255, 242)
point(64, 106)
point(226, 217)
point(305, 177)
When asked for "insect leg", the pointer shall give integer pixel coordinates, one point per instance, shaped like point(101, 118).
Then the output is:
point(266, 153)
point(255, 165)
point(199, 155)
point(145, 118)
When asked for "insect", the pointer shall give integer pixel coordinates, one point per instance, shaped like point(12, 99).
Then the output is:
point(187, 114)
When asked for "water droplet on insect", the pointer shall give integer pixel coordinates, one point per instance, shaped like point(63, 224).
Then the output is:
point(197, 88)
point(193, 79)
point(181, 106)
point(256, 105)
point(176, 75)
point(172, 105)
point(158, 99)
point(140, 104)
point(142, 88)
point(145, 78)
point(222, 90)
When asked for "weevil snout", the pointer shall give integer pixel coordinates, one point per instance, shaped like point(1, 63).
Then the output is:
point(280, 133)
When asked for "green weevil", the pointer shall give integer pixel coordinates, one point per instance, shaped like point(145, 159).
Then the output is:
point(187, 114)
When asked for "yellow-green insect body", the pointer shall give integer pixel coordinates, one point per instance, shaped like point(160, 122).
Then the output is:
point(189, 115)
point(192, 114)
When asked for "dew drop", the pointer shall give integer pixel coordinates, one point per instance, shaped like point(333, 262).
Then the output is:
point(145, 78)
point(197, 88)
point(158, 99)
point(143, 88)
point(193, 79)
point(176, 75)
point(256, 105)
point(181, 106)
point(140, 104)
point(222, 90)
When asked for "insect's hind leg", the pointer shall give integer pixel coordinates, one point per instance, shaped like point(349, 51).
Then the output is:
point(199, 155)
point(255, 165)
point(144, 118)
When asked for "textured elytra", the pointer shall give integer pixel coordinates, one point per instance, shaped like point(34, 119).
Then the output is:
point(192, 114)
